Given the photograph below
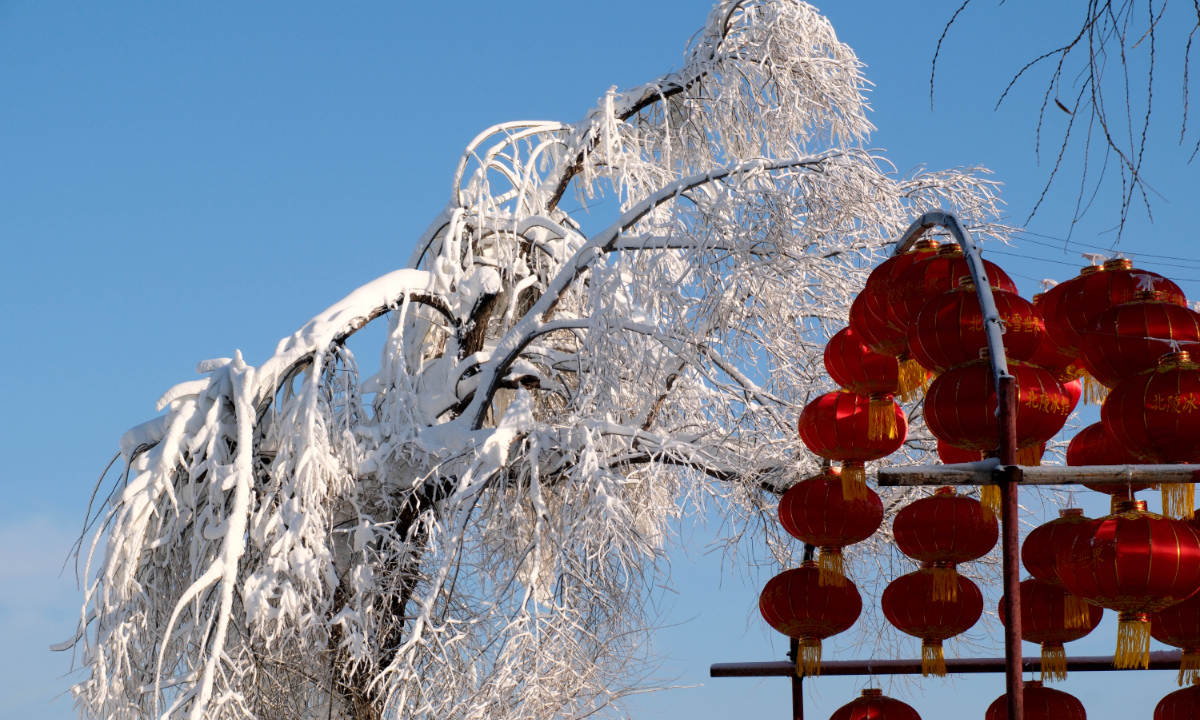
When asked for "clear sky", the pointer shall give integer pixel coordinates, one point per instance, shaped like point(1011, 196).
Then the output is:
point(180, 180)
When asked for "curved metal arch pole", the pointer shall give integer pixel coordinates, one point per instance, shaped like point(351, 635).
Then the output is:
point(1006, 391)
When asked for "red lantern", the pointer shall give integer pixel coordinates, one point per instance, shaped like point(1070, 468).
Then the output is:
point(796, 604)
point(874, 705)
point(1094, 446)
point(855, 368)
point(871, 319)
point(1130, 338)
point(941, 531)
point(1039, 552)
point(1180, 705)
point(1040, 703)
point(1135, 563)
point(1043, 609)
point(881, 334)
point(1179, 626)
point(1074, 390)
point(1155, 415)
point(836, 426)
point(816, 511)
point(907, 606)
point(951, 455)
point(1071, 307)
point(931, 276)
point(949, 329)
point(960, 408)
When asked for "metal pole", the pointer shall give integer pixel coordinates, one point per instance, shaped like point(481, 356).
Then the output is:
point(797, 683)
point(1159, 660)
point(1011, 547)
point(1006, 392)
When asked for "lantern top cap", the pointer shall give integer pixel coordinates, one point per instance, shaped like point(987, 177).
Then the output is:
point(1118, 264)
point(1033, 684)
point(1070, 512)
point(925, 244)
point(872, 692)
point(1037, 297)
point(946, 490)
point(1150, 295)
point(1182, 357)
point(949, 250)
point(813, 563)
point(1125, 506)
point(1085, 271)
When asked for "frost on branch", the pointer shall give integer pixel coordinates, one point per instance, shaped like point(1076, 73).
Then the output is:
point(476, 530)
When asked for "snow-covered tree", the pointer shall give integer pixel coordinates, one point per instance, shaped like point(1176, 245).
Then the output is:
point(476, 530)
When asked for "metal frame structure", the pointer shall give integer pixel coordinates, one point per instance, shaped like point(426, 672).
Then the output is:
point(1003, 471)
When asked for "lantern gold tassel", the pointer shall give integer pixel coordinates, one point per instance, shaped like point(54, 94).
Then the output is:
point(945, 583)
point(912, 378)
point(833, 567)
point(1189, 667)
point(989, 497)
point(1030, 456)
point(881, 422)
point(1093, 391)
point(933, 659)
point(1076, 612)
point(1054, 662)
point(808, 658)
point(854, 481)
point(1133, 641)
point(1179, 500)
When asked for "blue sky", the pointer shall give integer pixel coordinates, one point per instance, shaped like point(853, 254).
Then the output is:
point(181, 180)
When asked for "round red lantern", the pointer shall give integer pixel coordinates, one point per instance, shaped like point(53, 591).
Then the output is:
point(1094, 446)
point(1043, 609)
point(1039, 554)
point(1071, 307)
point(815, 511)
point(836, 426)
point(1130, 338)
point(796, 604)
point(1179, 626)
point(881, 334)
point(1135, 563)
point(872, 321)
point(951, 455)
point(874, 705)
point(1040, 703)
point(931, 276)
point(855, 368)
point(960, 408)
point(941, 531)
point(1155, 415)
point(949, 329)
point(1180, 705)
point(907, 606)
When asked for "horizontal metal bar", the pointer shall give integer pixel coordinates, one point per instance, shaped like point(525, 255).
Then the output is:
point(991, 472)
point(1162, 660)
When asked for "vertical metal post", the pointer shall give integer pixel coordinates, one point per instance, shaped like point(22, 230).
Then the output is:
point(797, 684)
point(1010, 545)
